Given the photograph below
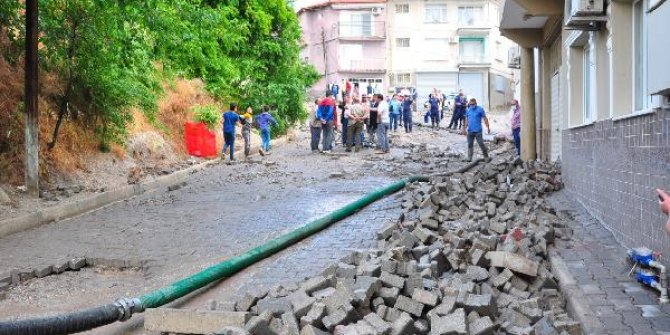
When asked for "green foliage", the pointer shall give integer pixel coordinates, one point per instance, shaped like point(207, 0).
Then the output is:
point(105, 54)
point(207, 114)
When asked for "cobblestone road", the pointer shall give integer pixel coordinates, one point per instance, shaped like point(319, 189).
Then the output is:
point(598, 264)
point(221, 212)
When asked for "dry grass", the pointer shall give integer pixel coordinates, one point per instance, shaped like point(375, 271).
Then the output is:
point(77, 141)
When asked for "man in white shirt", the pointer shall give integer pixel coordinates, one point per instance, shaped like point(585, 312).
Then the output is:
point(383, 119)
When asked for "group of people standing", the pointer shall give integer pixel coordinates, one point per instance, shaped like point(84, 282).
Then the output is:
point(357, 116)
point(231, 118)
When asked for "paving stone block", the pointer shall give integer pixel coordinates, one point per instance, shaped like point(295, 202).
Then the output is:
point(244, 304)
point(369, 269)
point(425, 297)
point(544, 327)
point(477, 273)
point(389, 294)
point(314, 316)
point(571, 327)
point(502, 278)
point(232, 331)
point(391, 280)
point(392, 314)
point(43, 271)
point(482, 304)
point(342, 315)
point(276, 306)
point(408, 305)
point(77, 263)
point(482, 326)
point(170, 320)
point(326, 292)
point(345, 271)
point(386, 231)
point(301, 302)
point(290, 324)
point(315, 284)
point(364, 288)
point(6, 277)
point(61, 266)
point(389, 266)
point(381, 327)
point(311, 330)
point(452, 324)
point(421, 327)
point(514, 262)
point(402, 325)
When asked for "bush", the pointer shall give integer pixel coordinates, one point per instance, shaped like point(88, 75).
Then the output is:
point(207, 114)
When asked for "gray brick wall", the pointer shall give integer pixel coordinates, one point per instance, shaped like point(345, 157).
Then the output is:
point(613, 169)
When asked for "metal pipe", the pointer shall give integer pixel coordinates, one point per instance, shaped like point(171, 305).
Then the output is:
point(663, 278)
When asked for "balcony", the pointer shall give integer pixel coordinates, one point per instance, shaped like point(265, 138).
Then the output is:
point(367, 65)
point(362, 31)
point(473, 60)
point(473, 26)
point(514, 57)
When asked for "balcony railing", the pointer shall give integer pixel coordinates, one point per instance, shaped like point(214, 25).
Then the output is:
point(362, 30)
point(472, 60)
point(368, 65)
point(514, 57)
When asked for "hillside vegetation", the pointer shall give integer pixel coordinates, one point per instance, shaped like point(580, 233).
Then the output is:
point(104, 63)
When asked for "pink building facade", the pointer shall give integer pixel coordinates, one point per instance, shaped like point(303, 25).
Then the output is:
point(346, 41)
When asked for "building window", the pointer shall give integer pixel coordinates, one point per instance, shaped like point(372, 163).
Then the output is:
point(403, 78)
point(640, 97)
point(589, 83)
point(470, 16)
point(402, 42)
point(402, 8)
point(472, 50)
point(436, 13)
point(500, 84)
point(356, 25)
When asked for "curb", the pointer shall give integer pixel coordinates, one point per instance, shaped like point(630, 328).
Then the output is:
point(68, 210)
point(577, 305)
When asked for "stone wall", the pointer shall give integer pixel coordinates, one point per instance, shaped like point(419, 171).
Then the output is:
point(613, 169)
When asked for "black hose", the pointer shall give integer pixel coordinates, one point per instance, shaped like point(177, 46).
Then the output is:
point(65, 323)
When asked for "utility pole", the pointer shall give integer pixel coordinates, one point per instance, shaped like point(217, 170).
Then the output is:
point(325, 56)
point(31, 93)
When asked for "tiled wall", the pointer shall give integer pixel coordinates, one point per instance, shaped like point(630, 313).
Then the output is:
point(613, 169)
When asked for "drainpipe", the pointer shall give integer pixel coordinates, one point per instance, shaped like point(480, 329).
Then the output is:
point(663, 278)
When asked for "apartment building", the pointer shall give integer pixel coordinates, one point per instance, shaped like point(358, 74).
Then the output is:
point(346, 41)
point(449, 45)
point(603, 104)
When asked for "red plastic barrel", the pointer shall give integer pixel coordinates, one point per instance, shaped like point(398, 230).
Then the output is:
point(200, 141)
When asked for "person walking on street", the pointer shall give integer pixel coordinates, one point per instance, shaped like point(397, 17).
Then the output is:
point(434, 111)
point(265, 121)
point(230, 119)
point(357, 116)
point(395, 112)
point(473, 125)
point(315, 127)
point(516, 126)
point(247, 119)
point(373, 120)
point(326, 113)
point(459, 110)
point(383, 119)
point(344, 121)
point(407, 112)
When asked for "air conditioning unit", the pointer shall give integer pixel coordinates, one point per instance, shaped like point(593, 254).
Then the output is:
point(585, 15)
point(376, 11)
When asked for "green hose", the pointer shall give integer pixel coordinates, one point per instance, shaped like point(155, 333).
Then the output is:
point(231, 266)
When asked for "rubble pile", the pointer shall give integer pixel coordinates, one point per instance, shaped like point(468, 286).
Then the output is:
point(467, 256)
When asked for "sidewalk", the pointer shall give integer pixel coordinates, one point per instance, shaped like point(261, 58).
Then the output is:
point(598, 264)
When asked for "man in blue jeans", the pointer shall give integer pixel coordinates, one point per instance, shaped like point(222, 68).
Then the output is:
point(473, 124)
point(264, 121)
point(326, 113)
point(230, 119)
point(395, 112)
point(407, 113)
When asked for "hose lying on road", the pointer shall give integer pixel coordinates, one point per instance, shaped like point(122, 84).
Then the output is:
point(123, 309)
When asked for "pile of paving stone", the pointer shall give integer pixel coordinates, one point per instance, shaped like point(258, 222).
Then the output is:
point(468, 255)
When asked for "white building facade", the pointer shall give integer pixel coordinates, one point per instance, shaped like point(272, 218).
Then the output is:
point(449, 45)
